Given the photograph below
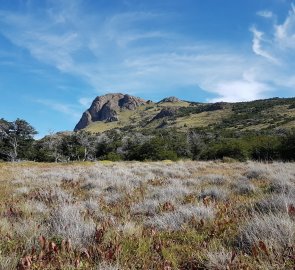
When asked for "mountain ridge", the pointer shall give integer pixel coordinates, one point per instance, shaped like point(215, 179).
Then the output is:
point(123, 111)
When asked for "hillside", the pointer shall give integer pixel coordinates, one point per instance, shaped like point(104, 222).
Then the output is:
point(135, 114)
point(123, 127)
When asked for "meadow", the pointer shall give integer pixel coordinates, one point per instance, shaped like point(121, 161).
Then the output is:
point(147, 215)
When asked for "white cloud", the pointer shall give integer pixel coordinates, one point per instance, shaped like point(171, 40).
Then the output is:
point(257, 45)
point(285, 32)
point(265, 14)
point(241, 90)
point(118, 60)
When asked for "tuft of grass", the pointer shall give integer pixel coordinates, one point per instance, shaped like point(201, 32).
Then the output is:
point(169, 192)
point(214, 179)
point(147, 207)
point(176, 220)
point(8, 263)
point(275, 204)
point(215, 193)
point(106, 266)
point(220, 260)
point(256, 172)
point(242, 187)
point(52, 195)
point(281, 184)
point(275, 231)
point(67, 222)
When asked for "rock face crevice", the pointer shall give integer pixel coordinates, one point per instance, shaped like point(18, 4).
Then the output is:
point(106, 108)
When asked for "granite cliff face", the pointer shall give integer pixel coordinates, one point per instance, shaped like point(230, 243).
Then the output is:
point(105, 108)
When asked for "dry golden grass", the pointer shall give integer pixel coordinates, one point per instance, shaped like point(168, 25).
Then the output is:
point(152, 215)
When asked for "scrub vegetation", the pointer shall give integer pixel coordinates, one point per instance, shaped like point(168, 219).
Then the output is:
point(147, 215)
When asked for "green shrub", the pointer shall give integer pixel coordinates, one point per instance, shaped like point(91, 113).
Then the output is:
point(155, 149)
point(112, 156)
point(265, 148)
point(231, 148)
point(287, 149)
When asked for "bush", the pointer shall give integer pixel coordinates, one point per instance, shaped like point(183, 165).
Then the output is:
point(288, 147)
point(154, 149)
point(112, 156)
point(227, 148)
point(265, 148)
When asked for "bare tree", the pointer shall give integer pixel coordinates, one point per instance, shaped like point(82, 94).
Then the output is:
point(86, 140)
point(53, 143)
point(196, 143)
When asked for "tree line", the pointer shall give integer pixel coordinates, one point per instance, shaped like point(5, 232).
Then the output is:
point(17, 143)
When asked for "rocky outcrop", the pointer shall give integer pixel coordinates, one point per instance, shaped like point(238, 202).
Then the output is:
point(170, 99)
point(166, 112)
point(106, 108)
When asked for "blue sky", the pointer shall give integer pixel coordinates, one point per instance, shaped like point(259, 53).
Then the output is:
point(57, 55)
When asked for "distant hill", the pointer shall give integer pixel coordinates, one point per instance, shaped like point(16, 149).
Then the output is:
point(135, 114)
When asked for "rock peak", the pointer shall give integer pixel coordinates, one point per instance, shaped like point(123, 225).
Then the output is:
point(170, 99)
point(106, 108)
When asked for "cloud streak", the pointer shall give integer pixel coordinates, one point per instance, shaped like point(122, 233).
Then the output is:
point(66, 109)
point(257, 45)
point(285, 32)
point(115, 54)
point(265, 14)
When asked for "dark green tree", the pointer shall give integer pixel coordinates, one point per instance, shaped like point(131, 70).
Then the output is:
point(17, 139)
point(265, 148)
point(288, 147)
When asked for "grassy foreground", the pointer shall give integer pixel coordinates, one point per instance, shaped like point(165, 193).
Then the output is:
point(160, 215)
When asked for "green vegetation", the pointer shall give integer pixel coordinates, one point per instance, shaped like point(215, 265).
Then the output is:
point(267, 114)
point(16, 140)
point(259, 130)
point(160, 144)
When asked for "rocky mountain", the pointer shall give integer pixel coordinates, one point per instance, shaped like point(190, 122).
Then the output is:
point(170, 99)
point(106, 108)
point(121, 111)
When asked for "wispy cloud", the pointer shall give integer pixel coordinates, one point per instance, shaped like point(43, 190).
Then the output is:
point(67, 109)
point(285, 32)
point(265, 14)
point(257, 45)
point(278, 47)
point(119, 53)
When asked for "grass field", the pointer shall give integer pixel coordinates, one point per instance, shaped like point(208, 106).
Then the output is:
point(161, 215)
